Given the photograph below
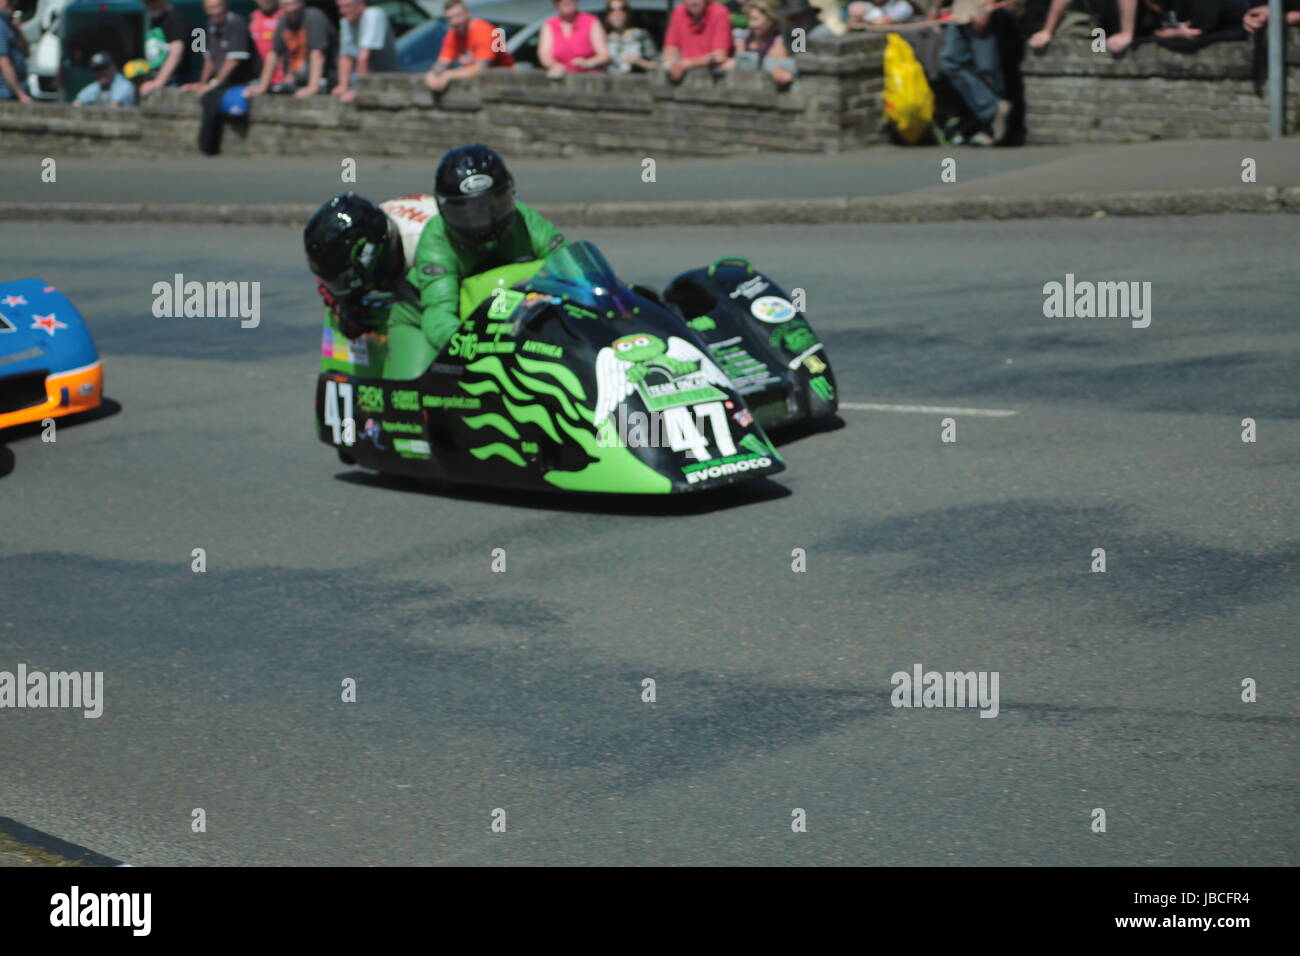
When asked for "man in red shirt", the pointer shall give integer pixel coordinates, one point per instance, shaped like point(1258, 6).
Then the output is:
point(471, 47)
point(261, 26)
point(699, 35)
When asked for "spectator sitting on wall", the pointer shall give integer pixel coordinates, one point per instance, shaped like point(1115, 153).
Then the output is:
point(366, 45)
point(972, 63)
point(762, 47)
point(472, 45)
point(109, 88)
point(1192, 24)
point(166, 47)
point(1256, 18)
point(307, 43)
point(572, 42)
point(698, 35)
point(261, 25)
point(630, 48)
point(229, 63)
point(13, 56)
point(861, 15)
point(1117, 41)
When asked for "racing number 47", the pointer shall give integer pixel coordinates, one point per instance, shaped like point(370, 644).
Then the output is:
point(342, 423)
point(686, 435)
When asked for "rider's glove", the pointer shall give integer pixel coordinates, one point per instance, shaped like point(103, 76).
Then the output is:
point(349, 311)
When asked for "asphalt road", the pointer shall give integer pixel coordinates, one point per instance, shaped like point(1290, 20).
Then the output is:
point(521, 690)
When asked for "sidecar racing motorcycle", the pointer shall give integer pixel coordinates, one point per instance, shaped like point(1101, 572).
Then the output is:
point(48, 362)
point(564, 378)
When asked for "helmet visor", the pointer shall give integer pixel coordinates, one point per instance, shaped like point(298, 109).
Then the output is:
point(480, 217)
point(344, 282)
point(344, 269)
point(333, 267)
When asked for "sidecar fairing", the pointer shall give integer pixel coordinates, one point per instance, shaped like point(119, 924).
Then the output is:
point(560, 378)
point(759, 336)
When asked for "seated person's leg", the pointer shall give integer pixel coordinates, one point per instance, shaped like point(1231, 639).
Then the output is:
point(956, 50)
point(988, 61)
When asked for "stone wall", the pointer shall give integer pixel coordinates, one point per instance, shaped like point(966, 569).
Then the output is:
point(1072, 95)
point(833, 106)
point(1075, 96)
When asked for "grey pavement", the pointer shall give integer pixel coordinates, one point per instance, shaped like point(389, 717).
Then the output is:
point(876, 172)
point(522, 690)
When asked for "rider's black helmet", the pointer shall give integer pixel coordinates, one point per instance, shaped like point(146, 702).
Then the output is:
point(351, 244)
point(475, 193)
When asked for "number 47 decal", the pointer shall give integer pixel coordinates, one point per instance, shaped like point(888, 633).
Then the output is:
point(340, 420)
point(686, 435)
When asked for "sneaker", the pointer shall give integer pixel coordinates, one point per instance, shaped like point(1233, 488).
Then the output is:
point(980, 139)
point(999, 124)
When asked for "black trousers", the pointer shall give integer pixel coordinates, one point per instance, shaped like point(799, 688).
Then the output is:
point(212, 123)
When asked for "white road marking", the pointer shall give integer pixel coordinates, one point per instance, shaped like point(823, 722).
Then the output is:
point(930, 409)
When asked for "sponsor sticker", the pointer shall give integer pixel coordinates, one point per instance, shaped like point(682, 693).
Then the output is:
point(749, 288)
point(406, 400)
point(822, 388)
point(707, 470)
point(467, 345)
point(411, 447)
point(453, 401)
point(772, 308)
point(370, 398)
point(504, 304)
point(371, 432)
point(476, 183)
point(542, 348)
point(747, 373)
point(407, 428)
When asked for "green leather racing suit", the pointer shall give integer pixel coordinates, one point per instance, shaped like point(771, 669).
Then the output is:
point(417, 333)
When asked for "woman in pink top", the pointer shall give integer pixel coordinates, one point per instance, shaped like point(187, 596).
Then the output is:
point(572, 42)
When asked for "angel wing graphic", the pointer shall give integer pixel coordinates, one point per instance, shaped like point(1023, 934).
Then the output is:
point(612, 384)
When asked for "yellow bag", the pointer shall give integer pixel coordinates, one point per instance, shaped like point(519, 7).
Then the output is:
point(909, 101)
